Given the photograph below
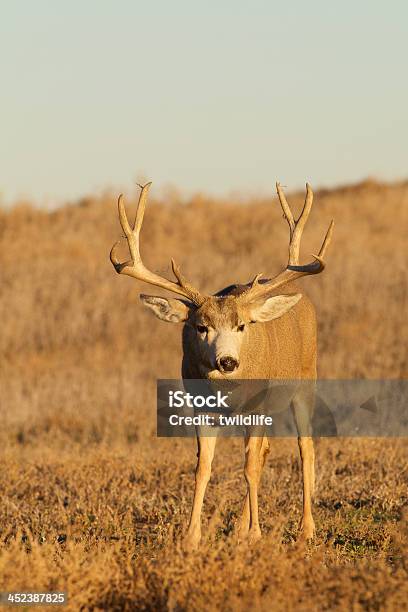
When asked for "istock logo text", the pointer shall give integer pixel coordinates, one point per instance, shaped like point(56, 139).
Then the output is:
point(179, 399)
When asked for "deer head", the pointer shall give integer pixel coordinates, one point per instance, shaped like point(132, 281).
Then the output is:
point(221, 323)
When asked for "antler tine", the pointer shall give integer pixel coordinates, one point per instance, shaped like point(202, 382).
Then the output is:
point(286, 208)
point(183, 282)
point(255, 280)
point(135, 266)
point(141, 207)
point(326, 241)
point(131, 238)
point(296, 226)
point(304, 215)
point(127, 231)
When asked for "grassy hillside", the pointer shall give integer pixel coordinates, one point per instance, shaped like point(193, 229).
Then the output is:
point(94, 503)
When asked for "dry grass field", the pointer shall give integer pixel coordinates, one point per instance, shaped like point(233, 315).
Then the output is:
point(94, 504)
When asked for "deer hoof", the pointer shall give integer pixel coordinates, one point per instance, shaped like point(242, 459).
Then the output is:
point(254, 536)
point(191, 542)
point(308, 531)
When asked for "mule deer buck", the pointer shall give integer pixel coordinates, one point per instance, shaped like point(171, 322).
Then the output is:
point(242, 332)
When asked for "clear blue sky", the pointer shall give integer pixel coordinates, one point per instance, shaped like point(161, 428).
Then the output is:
point(213, 96)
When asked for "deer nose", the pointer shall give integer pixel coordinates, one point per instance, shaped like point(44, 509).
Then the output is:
point(227, 364)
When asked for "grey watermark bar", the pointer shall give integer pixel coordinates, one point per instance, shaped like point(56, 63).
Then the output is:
point(280, 408)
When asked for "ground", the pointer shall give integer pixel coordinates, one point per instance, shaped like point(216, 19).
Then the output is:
point(94, 504)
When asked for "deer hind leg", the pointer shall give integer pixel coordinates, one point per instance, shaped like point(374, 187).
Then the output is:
point(303, 405)
point(246, 512)
point(206, 449)
point(256, 448)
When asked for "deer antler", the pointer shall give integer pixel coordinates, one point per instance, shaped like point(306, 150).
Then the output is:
point(293, 270)
point(135, 267)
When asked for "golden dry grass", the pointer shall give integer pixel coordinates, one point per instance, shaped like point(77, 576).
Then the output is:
point(94, 504)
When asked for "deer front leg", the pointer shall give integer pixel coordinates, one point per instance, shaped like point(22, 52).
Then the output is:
point(306, 449)
point(252, 470)
point(246, 513)
point(303, 405)
point(205, 454)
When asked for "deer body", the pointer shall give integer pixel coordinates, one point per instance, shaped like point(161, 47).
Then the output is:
point(284, 348)
point(242, 332)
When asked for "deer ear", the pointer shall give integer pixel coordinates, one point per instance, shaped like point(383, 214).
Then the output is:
point(171, 310)
point(274, 307)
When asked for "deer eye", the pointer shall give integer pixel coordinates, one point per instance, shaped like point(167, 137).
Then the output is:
point(241, 327)
point(202, 329)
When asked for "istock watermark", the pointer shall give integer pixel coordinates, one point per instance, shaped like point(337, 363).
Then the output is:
point(322, 408)
point(180, 399)
point(217, 400)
